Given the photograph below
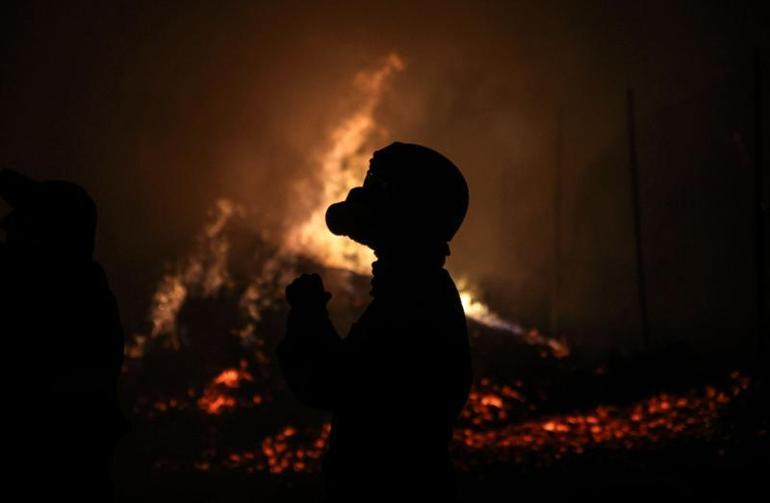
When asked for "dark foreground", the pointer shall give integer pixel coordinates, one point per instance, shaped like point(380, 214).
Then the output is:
point(593, 438)
point(677, 473)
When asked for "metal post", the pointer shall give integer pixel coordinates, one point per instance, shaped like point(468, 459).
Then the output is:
point(635, 197)
point(760, 209)
point(556, 271)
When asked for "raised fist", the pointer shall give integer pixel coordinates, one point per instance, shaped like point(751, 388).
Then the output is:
point(307, 292)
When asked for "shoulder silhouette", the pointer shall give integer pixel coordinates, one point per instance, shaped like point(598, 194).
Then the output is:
point(61, 321)
point(397, 382)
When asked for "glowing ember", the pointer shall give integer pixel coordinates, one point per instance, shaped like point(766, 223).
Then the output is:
point(287, 451)
point(488, 439)
point(231, 377)
point(217, 403)
point(215, 398)
point(488, 434)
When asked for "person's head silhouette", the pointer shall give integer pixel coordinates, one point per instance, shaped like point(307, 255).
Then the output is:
point(412, 201)
point(52, 218)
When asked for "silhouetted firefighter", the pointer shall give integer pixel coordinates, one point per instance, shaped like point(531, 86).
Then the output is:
point(63, 344)
point(397, 383)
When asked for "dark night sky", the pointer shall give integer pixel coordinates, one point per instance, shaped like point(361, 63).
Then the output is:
point(158, 108)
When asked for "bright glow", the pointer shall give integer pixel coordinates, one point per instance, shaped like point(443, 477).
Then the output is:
point(341, 167)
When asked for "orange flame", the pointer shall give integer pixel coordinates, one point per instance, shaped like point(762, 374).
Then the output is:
point(205, 270)
point(215, 398)
point(341, 167)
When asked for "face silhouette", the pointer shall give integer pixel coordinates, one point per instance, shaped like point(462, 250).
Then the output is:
point(367, 213)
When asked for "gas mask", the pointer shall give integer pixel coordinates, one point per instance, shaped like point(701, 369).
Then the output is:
point(412, 197)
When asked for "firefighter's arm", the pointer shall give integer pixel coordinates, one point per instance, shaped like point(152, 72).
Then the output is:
point(310, 352)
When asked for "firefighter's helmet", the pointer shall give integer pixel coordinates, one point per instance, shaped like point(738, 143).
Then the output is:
point(411, 195)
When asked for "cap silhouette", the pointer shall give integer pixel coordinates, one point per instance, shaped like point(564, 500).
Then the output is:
point(47, 216)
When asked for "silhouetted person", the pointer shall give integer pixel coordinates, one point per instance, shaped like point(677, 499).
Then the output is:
point(63, 340)
point(396, 384)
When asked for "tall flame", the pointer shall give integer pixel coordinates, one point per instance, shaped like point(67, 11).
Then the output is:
point(341, 167)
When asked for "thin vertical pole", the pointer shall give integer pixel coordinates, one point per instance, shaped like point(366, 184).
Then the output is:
point(557, 188)
point(760, 205)
point(635, 196)
point(504, 221)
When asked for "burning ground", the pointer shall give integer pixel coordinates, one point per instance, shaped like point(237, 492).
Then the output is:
point(206, 397)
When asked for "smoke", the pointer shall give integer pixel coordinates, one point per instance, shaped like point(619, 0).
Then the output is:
point(159, 109)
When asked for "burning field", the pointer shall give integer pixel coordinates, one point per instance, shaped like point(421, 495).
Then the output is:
point(205, 397)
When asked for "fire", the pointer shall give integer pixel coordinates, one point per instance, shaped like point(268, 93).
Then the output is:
point(215, 398)
point(230, 378)
point(204, 271)
point(217, 403)
point(283, 452)
point(488, 438)
point(342, 166)
point(482, 314)
point(488, 434)
point(289, 450)
point(499, 423)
